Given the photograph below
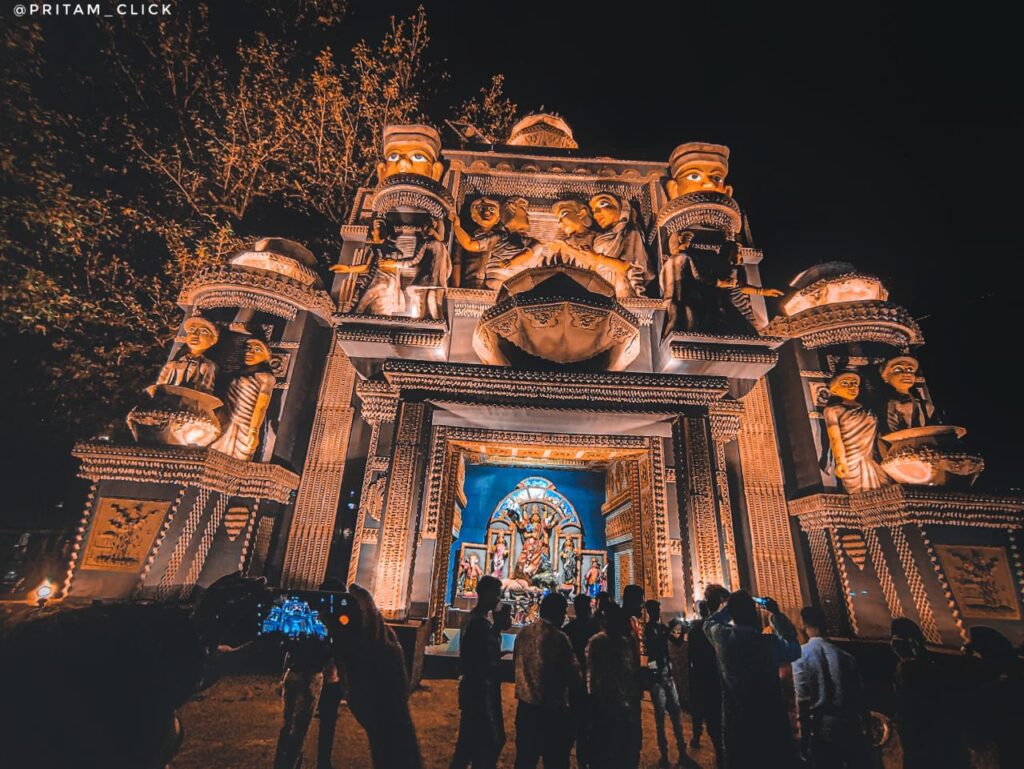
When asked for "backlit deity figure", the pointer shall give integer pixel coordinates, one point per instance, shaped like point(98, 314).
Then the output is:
point(499, 557)
point(698, 167)
point(569, 561)
point(903, 407)
point(852, 432)
point(529, 561)
point(410, 149)
point(247, 399)
point(620, 237)
point(191, 369)
point(503, 239)
point(469, 574)
point(593, 578)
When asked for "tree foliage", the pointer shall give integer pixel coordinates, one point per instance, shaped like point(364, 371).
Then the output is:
point(168, 149)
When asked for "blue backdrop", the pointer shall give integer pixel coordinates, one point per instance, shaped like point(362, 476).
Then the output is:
point(486, 485)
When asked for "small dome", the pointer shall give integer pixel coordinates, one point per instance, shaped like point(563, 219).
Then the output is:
point(542, 130)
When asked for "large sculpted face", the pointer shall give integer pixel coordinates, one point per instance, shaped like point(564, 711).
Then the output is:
point(573, 217)
point(485, 212)
point(606, 210)
point(409, 157)
point(702, 176)
point(845, 386)
point(900, 374)
point(256, 352)
point(200, 335)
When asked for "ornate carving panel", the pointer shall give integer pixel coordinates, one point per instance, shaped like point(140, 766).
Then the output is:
point(122, 534)
point(916, 585)
point(980, 580)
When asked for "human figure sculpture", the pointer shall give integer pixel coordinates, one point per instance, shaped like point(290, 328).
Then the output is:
point(499, 557)
point(852, 430)
point(381, 293)
point(620, 237)
point(503, 239)
point(191, 369)
point(593, 578)
point(575, 247)
point(698, 167)
point(903, 408)
point(410, 149)
point(248, 397)
point(706, 288)
point(569, 562)
point(400, 285)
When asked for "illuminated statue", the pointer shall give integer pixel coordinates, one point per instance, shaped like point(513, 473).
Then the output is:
point(182, 412)
point(469, 574)
point(410, 149)
point(503, 239)
point(400, 285)
point(852, 431)
point(381, 293)
point(698, 167)
point(192, 369)
point(620, 237)
point(707, 289)
point(593, 578)
point(575, 247)
point(248, 397)
point(569, 562)
point(499, 557)
point(903, 408)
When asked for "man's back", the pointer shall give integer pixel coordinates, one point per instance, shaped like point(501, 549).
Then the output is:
point(826, 678)
point(546, 667)
point(613, 671)
point(580, 631)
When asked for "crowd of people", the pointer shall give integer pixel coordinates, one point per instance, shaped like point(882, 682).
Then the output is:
point(582, 683)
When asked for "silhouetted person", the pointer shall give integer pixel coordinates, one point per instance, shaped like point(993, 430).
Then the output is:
point(482, 723)
point(830, 699)
point(580, 630)
point(331, 694)
point(662, 685)
point(604, 600)
point(931, 733)
point(546, 673)
point(680, 661)
point(996, 703)
point(613, 680)
point(755, 724)
point(305, 660)
point(705, 688)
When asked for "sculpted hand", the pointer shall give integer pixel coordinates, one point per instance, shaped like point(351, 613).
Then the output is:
point(349, 269)
point(772, 292)
point(388, 265)
point(841, 469)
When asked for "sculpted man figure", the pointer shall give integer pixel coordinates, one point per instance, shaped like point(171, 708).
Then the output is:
point(620, 237)
point(247, 400)
point(410, 149)
point(903, 407)
point(852, 430)
point(576, 246)
point(503, 240)
point(192, 368)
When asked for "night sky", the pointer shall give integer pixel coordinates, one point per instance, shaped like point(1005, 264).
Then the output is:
point(888, 138)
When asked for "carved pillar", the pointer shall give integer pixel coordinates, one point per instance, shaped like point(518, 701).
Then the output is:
point(396, 548)
point(885, 580)
point(823, 562)
point(312, 527)
point(772, 547)
point(725, 426)
point(926, 617)
point(697, 497)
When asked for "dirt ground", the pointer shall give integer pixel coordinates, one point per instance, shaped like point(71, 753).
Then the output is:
point(234, 724)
